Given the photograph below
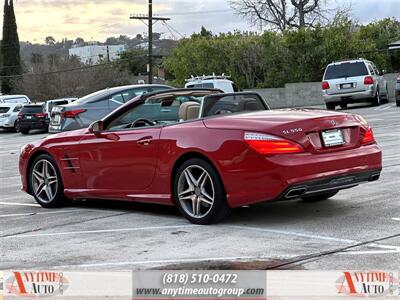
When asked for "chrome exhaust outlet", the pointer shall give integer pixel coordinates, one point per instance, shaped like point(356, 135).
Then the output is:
point(374, 177)
point(295, 193)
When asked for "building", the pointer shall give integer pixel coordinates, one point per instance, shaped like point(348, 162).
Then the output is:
point(93, 54)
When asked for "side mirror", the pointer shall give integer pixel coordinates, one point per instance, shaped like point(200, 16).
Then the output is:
point(96, 127)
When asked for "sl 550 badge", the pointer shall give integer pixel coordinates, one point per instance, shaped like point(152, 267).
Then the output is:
point(292, 130)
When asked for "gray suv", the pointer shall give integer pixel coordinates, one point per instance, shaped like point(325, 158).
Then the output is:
point(352, 81)
point(84, 111)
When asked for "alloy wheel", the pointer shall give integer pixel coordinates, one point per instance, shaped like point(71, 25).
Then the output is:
point(196, 191)
point(44, 181)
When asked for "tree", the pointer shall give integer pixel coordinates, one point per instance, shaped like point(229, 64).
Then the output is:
point(79, 41)
point(283, 14)
point(133, 61)
point(49, 40)
point(10, 49)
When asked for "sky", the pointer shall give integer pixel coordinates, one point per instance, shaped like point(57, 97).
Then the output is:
point(98, 19)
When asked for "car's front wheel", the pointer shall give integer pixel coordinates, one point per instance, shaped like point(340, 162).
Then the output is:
point(24, 131)
point(319, 197)
point(199, 192)
point(45, 182)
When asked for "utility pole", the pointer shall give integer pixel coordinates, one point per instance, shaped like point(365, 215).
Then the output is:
point(108, 54)
point(150, 22)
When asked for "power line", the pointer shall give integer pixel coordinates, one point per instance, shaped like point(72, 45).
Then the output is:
point(202, 12)
point(73, 69)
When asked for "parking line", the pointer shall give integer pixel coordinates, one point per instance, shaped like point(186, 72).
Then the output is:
point(299, 234)
point(100, 231)
point(171, 261)
point(40, 213)
point(19, 204)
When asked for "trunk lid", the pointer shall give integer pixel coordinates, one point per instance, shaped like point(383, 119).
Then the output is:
point(303, 126)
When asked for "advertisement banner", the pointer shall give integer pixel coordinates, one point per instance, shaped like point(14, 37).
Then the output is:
point(74, 285)
point(199, 285)
point(332, 284)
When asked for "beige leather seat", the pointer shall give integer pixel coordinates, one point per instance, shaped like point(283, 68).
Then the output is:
point(189, 110)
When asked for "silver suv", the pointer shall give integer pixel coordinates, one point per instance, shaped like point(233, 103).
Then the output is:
point(352, 81)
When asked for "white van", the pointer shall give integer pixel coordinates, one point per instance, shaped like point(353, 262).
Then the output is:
point(220, 82)
point(22, 99)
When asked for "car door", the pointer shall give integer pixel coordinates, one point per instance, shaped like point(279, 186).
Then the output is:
point(120, 162)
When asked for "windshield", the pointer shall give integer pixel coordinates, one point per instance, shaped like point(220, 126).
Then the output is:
point(346, 70)
point(16, 100)
point(221, 104)
point(157, 111)
point(91, 96)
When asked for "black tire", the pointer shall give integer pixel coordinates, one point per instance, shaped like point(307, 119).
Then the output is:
point(319, 197)
point(16, 126)
point(376, 101)
point(219, 208)
point(24, 131)
point(343, 105)
point(330, 106)
point(59, 199)
point(398, 103)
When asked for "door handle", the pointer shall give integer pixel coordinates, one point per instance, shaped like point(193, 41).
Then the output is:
point(145, 141)
point(165, 110)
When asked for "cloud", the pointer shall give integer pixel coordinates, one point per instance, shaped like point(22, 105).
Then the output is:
point(99, 19)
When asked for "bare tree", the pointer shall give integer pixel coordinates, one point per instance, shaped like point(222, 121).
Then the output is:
point(284, 14)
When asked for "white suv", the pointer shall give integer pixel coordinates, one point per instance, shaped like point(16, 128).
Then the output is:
point(22, 99)
point(352, 81)
point(220, 82)
point(9, 115)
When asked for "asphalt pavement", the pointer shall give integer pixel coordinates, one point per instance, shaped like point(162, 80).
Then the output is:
point(358, 228)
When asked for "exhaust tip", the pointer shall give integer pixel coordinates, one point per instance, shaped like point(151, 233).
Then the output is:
point(374, 177)
point(295, 193)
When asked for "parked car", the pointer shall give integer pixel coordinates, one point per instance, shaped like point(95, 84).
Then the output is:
point(33, 116)
point(51, 103)
point(397, 90)
point(221, 82)
point(92, 107)
point(22, 99)
point(352, 81)
point(9, 115)
point(219, 152)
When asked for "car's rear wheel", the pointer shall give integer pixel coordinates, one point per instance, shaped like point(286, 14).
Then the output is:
point(199, 192)
point(24, 131)
point(330, 106)
point(319, 197)
point(343, 105)
point(376, 101)
point(398, 103)
point(45, 182)
point(16, 126)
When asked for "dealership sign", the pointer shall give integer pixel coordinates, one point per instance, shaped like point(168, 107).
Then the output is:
point(372, 283)
point(35, 283)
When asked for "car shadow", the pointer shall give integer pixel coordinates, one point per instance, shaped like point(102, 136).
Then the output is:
point(268, 213)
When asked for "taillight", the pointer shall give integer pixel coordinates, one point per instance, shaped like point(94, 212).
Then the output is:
point(269, 144)
point(325, 85)
point(72, 113)
point(41, 115)
point(368, 80)
point(20, 115)
point(367, 137)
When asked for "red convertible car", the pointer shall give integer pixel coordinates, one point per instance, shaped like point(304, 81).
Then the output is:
point(204, 151)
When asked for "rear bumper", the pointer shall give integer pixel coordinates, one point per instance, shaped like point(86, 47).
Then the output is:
point(259, 179)
point(349, 97)
point(329, 184)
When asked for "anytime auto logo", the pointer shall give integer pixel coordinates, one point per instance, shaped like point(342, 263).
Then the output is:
point(35, 283)
point(367, 284)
